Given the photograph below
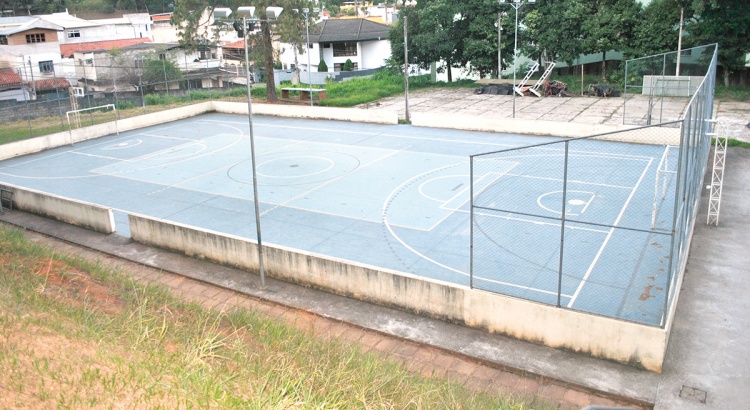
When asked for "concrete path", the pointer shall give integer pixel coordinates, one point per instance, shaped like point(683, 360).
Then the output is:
point(734, 117)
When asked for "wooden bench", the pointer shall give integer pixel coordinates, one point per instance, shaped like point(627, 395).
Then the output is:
point(304, 93)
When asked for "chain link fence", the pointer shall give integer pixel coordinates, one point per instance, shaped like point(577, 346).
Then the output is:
point(42, 108)
point(657, 80)
point(599, 224)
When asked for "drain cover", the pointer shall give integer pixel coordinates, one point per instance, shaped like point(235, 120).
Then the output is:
point(691, 393)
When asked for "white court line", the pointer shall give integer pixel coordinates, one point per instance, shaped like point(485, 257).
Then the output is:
point(571, 181)
point(183, 159)
point(334, 130)
point(510, 218)
point(330, 181)
point(513, 285)
point(100, 156)
point(609, 236)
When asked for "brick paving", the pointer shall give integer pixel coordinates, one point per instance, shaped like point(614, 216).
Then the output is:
point(428, 361)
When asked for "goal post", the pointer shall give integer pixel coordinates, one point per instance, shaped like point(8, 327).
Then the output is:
point(76, 115)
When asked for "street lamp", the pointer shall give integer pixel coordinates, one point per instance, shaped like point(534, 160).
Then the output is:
point(516, 4)
point(404, 4)
point(306, 13)
point(248, 14)
point(500, 16)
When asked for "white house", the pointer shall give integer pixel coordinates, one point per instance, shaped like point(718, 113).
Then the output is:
point(31, 45)
point(336, 40)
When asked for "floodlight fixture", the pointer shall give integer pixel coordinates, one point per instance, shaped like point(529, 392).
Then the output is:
point(222, 12)
point(246, 12)
point(273, 13)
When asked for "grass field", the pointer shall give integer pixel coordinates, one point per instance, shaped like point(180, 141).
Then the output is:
point(77, 334)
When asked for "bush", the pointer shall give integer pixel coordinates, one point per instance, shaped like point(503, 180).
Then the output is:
point(348, 65)
point(125, 105)
point(322, 66)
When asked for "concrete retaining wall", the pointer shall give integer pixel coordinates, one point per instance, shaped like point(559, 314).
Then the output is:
point(653, 135)
point(87, 215)
point(304, 111)
point(38, 144)
point(560, 328)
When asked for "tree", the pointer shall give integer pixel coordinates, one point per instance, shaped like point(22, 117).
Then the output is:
point(726, 22)
point(438, 35)
point(658, 30)
point(348, 65)
point(322, 66)
point(157, 72)
point(557, 28)
point(610, 27)
point(195, 27)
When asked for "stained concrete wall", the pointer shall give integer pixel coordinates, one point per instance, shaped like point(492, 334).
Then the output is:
point(38, 144)
point(560, 328)
point(304, 111)
point(59, 139)
point(623, 133)
point(87, 215)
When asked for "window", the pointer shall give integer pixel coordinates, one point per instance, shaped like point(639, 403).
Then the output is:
point(340, 67)
point(327, 45)
point(74, 33)
point(309, 45)
point(162, 56)
point(344, 49)
point(35, 38)
point(46, 66)
point(140, 62)
point(3, 40)
point(89, 61)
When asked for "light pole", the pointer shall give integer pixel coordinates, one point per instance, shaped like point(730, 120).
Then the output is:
point(306, 13)
point(404, 4)
point(679, 39)
point(500, 16)
point(272, 14)
point(516, 4)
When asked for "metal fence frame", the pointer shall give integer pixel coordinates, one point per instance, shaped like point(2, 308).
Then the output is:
point(663, 66)
point(696, 126)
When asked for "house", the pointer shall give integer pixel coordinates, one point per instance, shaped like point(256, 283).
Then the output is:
point(336, 40)
point(34, 45)
point(12, 86)
point(122, 69)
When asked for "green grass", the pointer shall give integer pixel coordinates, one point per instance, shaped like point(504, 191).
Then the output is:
point(77, 335)
point(732, 93)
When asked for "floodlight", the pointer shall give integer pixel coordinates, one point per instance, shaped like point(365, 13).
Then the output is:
point(272, 13)
point(305, 10)
point(246, 11)
point(222, 12)
point(316, 10)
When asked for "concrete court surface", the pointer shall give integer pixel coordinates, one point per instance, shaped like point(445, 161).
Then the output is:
point(708, 357)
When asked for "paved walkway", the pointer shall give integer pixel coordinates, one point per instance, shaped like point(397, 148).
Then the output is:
point(734, 117)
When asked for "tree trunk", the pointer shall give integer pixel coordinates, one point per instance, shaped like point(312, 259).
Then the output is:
point(726, 77)
point(268, 57)
point(448, 66)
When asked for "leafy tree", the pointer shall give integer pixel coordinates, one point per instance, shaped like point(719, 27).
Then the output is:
point(322, 66)
point(726, 22)
point(348, 65)
point(658, 30)
point(158, 71)
point(195, 29)
point(610, 25)
point(557, 27)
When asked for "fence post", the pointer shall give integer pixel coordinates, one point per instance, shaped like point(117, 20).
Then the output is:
point(562, 222)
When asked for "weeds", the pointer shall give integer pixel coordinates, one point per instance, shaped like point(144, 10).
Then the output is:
point(131, 345)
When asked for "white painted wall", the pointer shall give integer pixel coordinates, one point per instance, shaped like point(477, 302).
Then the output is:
point(374, 53)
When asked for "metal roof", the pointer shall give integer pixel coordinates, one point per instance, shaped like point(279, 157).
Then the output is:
point(340, 30)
